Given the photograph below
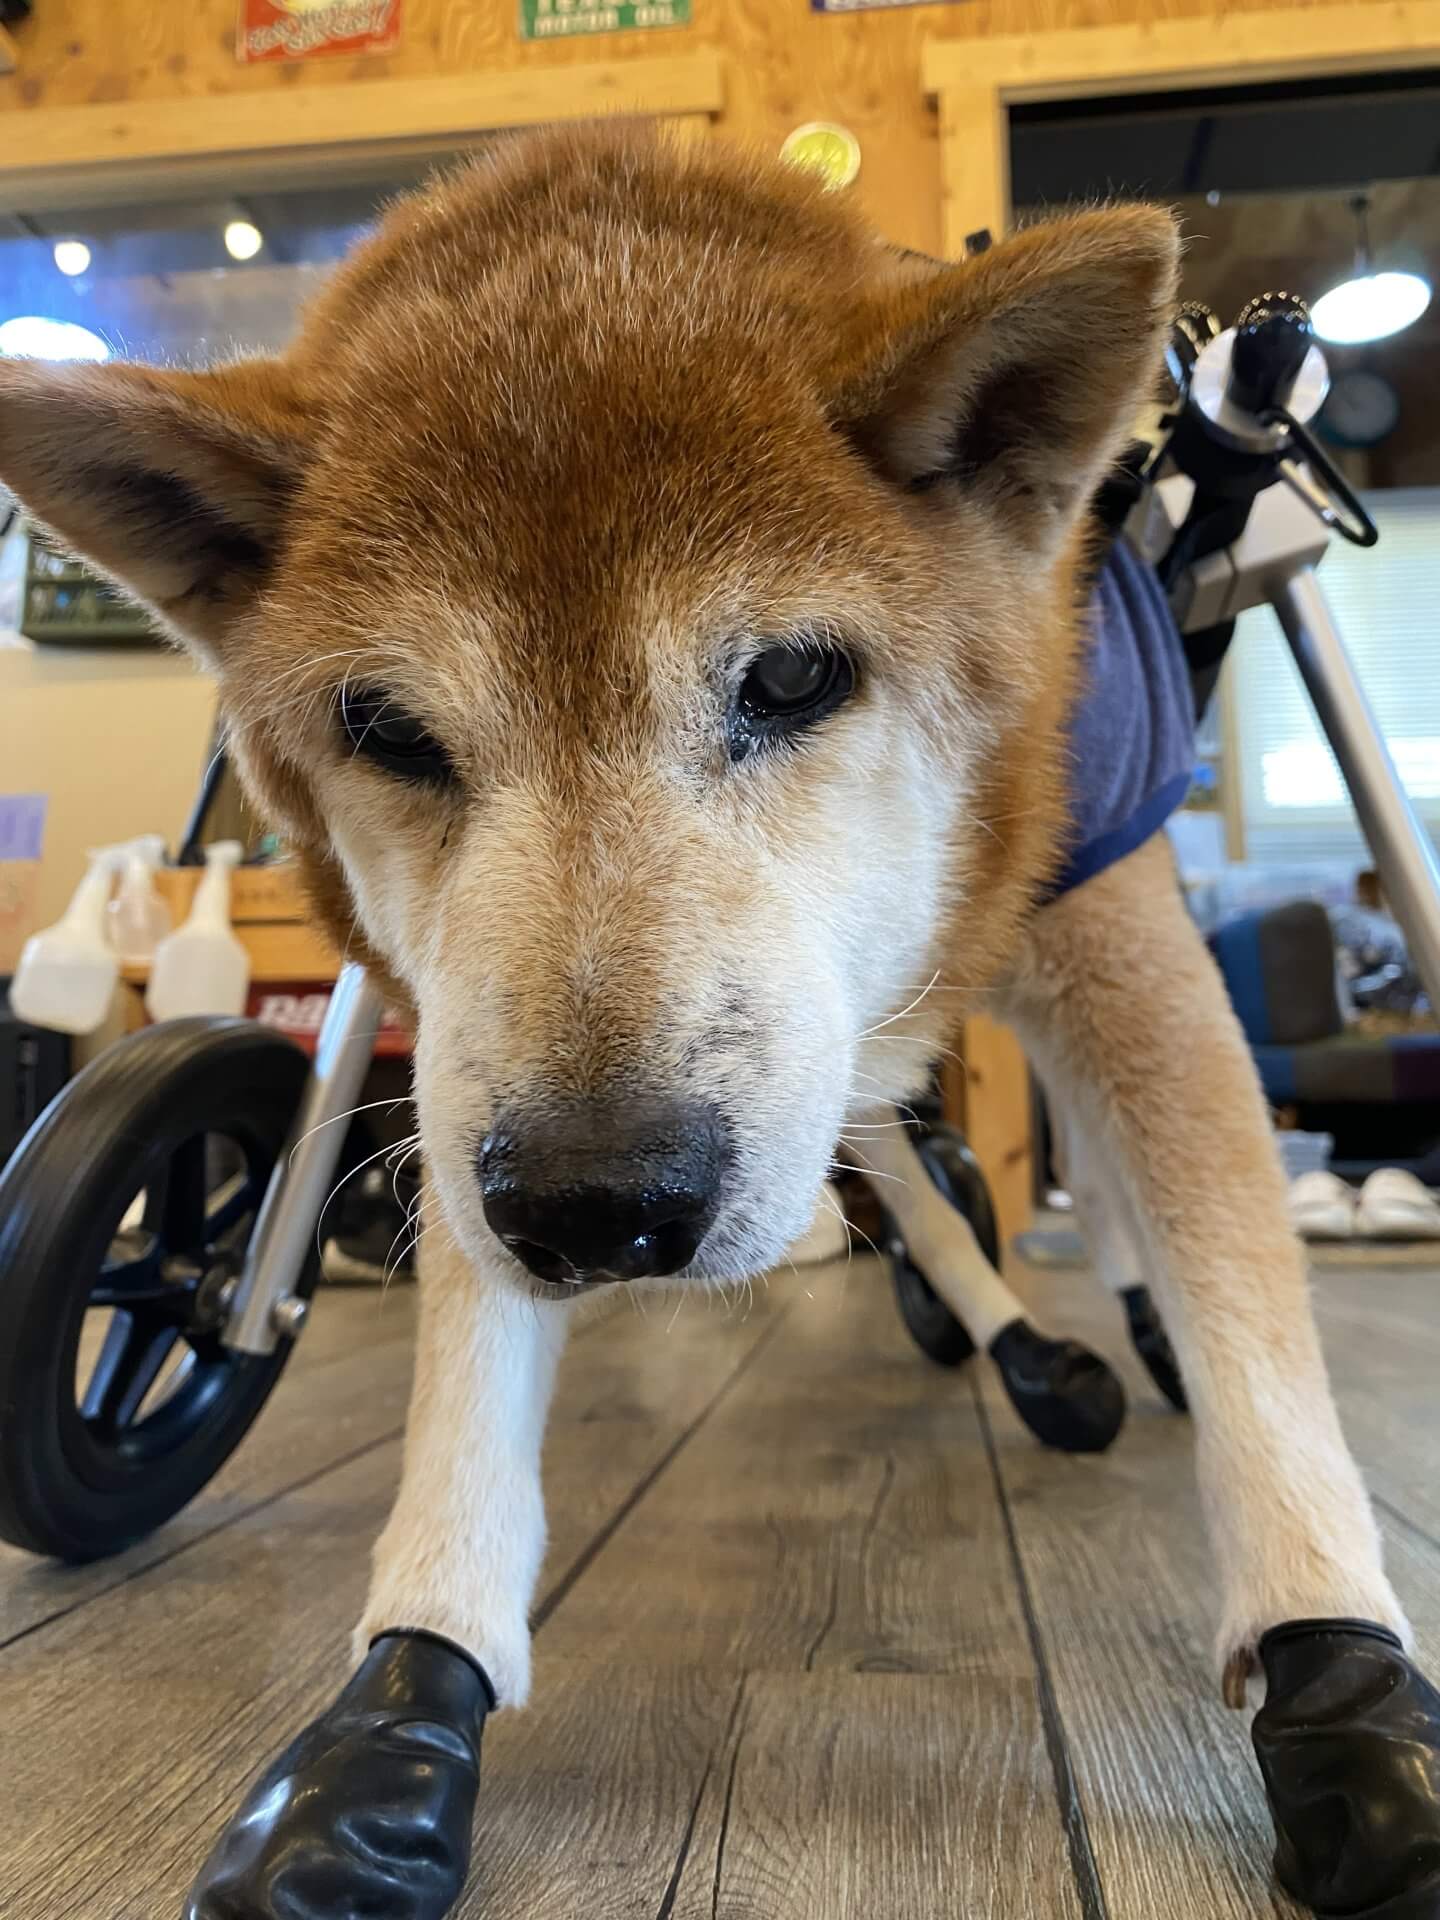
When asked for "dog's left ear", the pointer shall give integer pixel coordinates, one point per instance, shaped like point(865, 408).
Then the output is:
point(177, 486)
point(1011, 381)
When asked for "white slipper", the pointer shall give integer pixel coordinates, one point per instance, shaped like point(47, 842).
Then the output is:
point(1394, 1205)
point(1322, 1207)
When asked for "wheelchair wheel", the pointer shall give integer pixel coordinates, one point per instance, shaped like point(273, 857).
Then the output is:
point(956, 1172)
point(124, 1213)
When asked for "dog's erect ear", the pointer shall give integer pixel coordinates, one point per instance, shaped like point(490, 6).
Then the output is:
point(1012, 379)
point(174, 485)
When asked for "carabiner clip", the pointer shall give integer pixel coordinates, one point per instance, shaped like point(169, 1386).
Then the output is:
point(1333, 501)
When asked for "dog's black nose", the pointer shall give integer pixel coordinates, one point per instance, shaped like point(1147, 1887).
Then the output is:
point(615, 1189)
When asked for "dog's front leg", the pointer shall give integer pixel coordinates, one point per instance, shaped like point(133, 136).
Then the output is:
point(369, 1809)
point(1126, 1016)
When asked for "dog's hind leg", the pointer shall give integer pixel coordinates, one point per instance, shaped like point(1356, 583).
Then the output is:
point(1125, 1013)
point(1065, 1394)
point(369, 1809)
point(1107, 1221)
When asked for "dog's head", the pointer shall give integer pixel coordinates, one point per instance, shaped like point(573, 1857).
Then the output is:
point(646, 601)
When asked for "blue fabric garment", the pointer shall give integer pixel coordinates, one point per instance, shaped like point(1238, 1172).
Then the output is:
point(1132, 729)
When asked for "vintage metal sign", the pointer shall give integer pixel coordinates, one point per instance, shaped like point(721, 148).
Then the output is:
point(301, 29)
point(558, 19)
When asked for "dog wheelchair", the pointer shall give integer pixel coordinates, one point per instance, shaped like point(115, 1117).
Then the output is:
point(118, 1199)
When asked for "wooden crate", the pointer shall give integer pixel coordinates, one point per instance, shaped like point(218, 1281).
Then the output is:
point(271, 921)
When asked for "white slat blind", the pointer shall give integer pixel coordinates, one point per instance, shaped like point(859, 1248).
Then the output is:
point(1386, 602)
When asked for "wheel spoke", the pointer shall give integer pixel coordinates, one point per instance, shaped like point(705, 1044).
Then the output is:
point(135, 1350)
point(131, 1271)
point(228, 1206)
point(181, 1221)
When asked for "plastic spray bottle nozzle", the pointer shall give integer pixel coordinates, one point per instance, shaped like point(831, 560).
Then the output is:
point(202, 968)
point(139, 918)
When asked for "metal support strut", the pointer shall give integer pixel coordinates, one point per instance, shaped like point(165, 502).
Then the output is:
point(262, 1309)
point(1404, 854)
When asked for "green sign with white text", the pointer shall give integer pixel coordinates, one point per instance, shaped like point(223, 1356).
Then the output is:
point(557, 19)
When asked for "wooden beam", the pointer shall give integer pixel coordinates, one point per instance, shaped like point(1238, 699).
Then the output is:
point(50, 155)
point(1221, 50)
point(974, 166)
point(998, 1120)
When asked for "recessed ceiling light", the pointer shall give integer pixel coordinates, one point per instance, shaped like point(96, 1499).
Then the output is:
point(243, 240)
point(72, 256)
point(29, 336)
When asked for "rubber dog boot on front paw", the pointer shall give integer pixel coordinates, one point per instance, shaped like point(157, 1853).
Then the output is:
point(368, 1811)
point(1349, 1743)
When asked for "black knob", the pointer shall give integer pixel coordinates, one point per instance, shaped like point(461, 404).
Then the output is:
point(1272, 338)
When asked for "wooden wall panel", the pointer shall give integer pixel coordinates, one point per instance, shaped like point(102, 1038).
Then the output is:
point(785, 64)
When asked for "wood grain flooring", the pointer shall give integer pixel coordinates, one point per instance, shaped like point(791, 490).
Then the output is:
point(822, 1634)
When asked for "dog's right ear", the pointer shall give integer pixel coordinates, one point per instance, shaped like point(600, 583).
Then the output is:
point(176, 486)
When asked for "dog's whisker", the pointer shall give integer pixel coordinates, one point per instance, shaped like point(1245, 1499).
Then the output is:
point(905, 1010)
point(834, 1205)
point(333, 1119)
point(343, 1181)
point(865, 1169)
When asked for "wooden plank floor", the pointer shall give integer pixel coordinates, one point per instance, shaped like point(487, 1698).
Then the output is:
point(822, 1633)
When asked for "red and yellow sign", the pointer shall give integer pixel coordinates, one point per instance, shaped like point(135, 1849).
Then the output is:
point(301, 29)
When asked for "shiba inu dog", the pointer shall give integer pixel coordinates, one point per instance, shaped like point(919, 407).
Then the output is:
point(648, 604)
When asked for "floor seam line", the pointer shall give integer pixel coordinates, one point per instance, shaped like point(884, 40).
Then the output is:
point(1404, 1520)
point(199, 1539)
point(590, 1552)
point(1084, 1868)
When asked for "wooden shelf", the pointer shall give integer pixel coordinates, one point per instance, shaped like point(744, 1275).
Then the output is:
point(122, 149)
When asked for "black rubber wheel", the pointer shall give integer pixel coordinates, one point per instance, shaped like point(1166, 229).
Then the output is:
point(956, 1172)
point(192, 1115)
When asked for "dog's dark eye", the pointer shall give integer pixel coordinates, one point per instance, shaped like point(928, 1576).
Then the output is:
point(385, 733)
point(786, 688)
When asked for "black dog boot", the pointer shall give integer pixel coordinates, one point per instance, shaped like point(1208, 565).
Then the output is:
point(1064, 1393)
point(1349, 1743)
point(1152, 1343)
point(368, 1811)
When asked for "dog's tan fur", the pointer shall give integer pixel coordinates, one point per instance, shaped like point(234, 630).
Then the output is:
point(576, 428)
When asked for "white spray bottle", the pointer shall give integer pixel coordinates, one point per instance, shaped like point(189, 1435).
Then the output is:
point(202, 967)
point(67, 973)
point(139, 918)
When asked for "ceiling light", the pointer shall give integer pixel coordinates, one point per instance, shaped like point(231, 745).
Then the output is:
point(1369, 305)
point(243, 240)
point(30, 337)
point(72, 256)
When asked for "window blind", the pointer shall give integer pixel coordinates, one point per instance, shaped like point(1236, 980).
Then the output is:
point(1386, 603)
